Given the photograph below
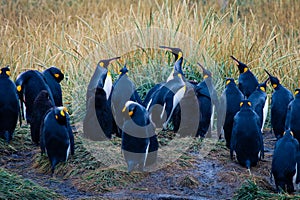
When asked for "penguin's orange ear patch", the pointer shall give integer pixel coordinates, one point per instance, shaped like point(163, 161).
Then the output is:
point(296, 92)
point(205, 76)
point(19, 88)
point(227, 82)
point(101, 64)
point(249, 103)
point(56, 75)
point(246, 69)
point(56, 117)
point(130, 113)
point(263, 89)
point(241, 104)
point(274, 86)
point(179, 55)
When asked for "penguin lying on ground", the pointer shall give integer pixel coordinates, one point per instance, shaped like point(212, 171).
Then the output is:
point(259, 101)
point(229, 106)
point(57, 139)
point(281, 98)
point(139, 142)
point(98, 120)
point(285, 163)
point(247, 81)
point(293, 116)
point(9, 105)
point(246, 139)
point(41, 105)
point(29, 85)
point(53, 77)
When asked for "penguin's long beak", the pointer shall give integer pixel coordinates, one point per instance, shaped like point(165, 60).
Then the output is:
point(236, 60)
point(268, 73)
point(112, 59)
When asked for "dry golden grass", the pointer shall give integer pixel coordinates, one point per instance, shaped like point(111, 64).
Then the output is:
point(74, 35)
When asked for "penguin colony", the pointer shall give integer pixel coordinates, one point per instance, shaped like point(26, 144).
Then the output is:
point(116, 108)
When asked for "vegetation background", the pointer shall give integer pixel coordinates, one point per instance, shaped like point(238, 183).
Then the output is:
point(75, 34)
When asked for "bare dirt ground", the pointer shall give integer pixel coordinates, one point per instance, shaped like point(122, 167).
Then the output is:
point(191, 177)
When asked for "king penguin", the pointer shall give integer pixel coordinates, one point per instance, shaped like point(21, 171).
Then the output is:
point(9, 105)
point(98, 120)
point(139, 142)
point(41, 105)
point(29, 84)
point(123, 90)
point(293, 115)
point(281, 97)
point(260, 102)
point(165, 99)
point(57, 139)
point(285, 163)
point(53, 77)
point(247, 81)
point(229, 106)
point(246, 139)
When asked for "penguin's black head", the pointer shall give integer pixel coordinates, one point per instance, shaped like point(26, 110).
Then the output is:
point(206, 73)
point(297, 92)
point(263, 86)
point(288, 133)
point(61, 115)
point(124, 70)
point(5, 71)
point(245, 104)
point(229, 81)
point(177, 52)
point(131, 108)
point(242, 67)
point(56, 73)
point(105, 63)
point(274, 80)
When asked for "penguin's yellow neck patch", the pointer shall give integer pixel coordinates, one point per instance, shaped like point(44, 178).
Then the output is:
point(263, 89)
point(101, 64)
point(274, 85)
point(56, 75)
point(108, 73)
point(246, 69)
point(65, 109)
point(19, 88)
point(62, 113)
point(8, 73)
point(179, 55)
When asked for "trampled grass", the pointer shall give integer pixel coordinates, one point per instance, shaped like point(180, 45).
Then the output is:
point(15, 187)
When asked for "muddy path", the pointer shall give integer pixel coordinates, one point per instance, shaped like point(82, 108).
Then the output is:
point(213, 177)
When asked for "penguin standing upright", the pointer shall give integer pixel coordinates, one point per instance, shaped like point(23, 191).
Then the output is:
point(281, 98)
point(293, 115)
point(41, 105)
point(285, 163)
point(9, 105)
point(57, 138)
point(247, 81)
point(246, 139)
point(53, 77)
point(165, 99)
point(259, 101)
point(98, 121)
point(124, 90)
point(139, 142)
point(229, 106)
point(29, 85)
point(207, 76)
